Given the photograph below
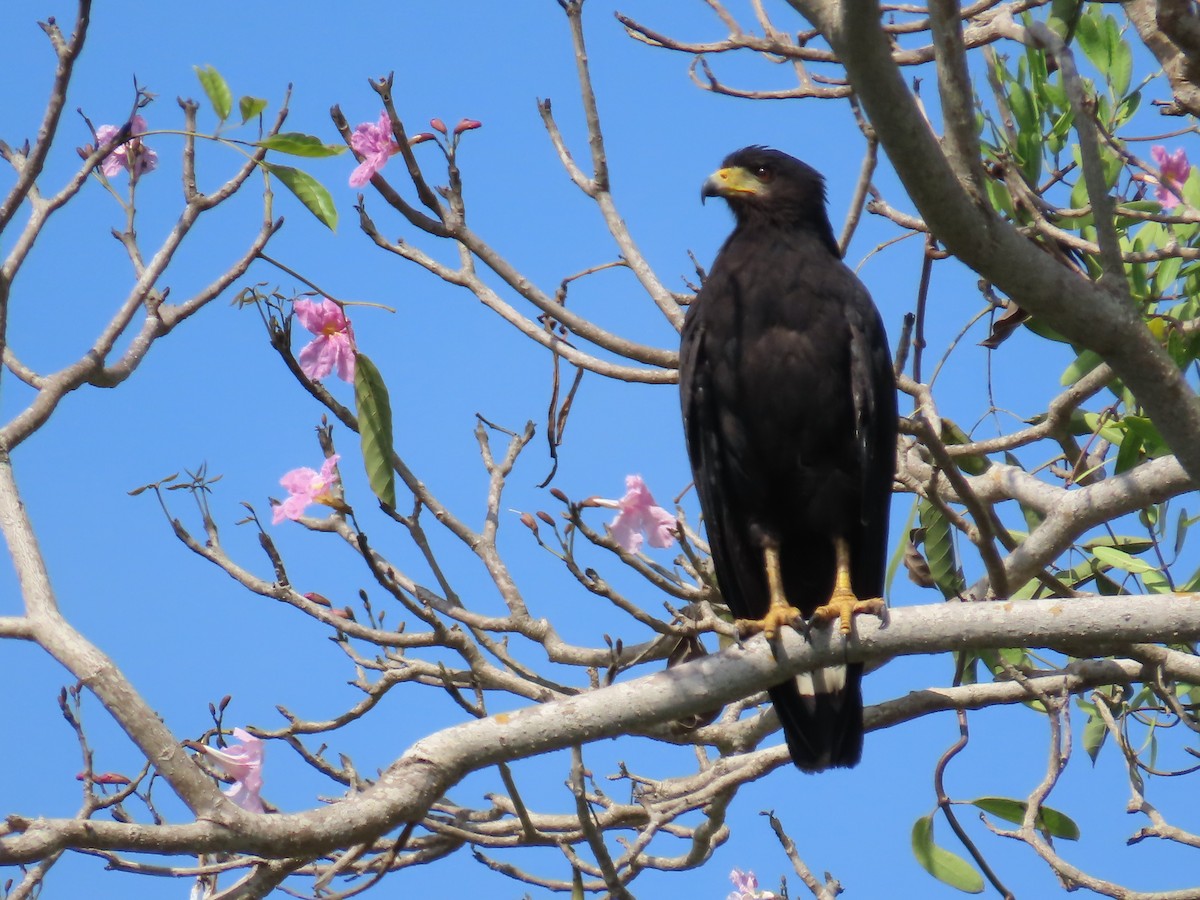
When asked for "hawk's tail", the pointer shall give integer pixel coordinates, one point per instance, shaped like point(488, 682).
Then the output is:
point(822, 717)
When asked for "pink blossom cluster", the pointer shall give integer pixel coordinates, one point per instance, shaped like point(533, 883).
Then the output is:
point(306, 487)
point(746, 887)
point(333, 347)
point(376, 144)
point(242, 762)
point(639, 515)
point(1174, 170)
point(373, 141)
point(131, 156)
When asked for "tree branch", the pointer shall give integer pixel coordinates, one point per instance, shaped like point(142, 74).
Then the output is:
point(1090, 314)
point(407, 788)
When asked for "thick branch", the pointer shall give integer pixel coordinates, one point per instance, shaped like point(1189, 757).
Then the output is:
point(88, 664)
point(409, 787)
point(1090, 314)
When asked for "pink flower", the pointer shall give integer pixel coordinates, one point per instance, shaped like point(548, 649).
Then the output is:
point(437, 125)
point(333, 345)
point(467, 125)
point(640, 514)
point(1174, 170)
point(746, 887)
point(374, 143)
point(306, 487)
point(243, 762)
point(131, 156)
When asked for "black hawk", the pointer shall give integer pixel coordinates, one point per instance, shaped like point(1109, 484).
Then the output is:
point(789, 408)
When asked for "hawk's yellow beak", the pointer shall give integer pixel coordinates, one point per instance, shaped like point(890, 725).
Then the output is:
point(730, 181)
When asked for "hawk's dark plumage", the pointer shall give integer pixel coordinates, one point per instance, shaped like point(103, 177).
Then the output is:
point(789, 409)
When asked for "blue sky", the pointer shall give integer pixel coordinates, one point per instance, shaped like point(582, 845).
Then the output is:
point(215, 393)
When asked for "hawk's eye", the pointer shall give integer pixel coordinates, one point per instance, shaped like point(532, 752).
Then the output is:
point(764, 174)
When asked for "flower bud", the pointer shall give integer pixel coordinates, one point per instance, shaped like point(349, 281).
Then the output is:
point(438, 125)
point(104, 778)
point(467, 125)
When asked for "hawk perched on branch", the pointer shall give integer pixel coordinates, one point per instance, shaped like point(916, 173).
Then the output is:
point(789, 407)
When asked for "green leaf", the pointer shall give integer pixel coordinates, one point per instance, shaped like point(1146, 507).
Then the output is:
point(939, 550)
point(1122, 560)
point(1042, 330)
point(1129, 454)
point(1054, 100)
point(946, 867)
point(1017, 657)
point(1193, 584)
point(1049, 820)
point(1152, 234)
point(1107, 428)
point(968, 662)
point(1084, 363)
point(1148, 516)
point(308, 191)
point(972, 465)
point(1183, 347)
point(1094, 731)
point(375, 428)
point(1107, 586)
point(1063, 18)
point(250, 107)
point(1026, 591)
point(1001, 200)
point(1127, 107)
point(1121, 67)
point(1033, 518)
point(1152, 442)
point(1056, 138)
point(297, 144)
point(1079, 198)
point(1191, 187)
point(897, 559)
point(1024, 110)
point(1127, 542)
point(1146, 206)
point(1182, 524)
point(1156, 582)
point(1029, 148)
point(1038, 73)
point(1165, 274)
point(1091, 40)
point(217, 90)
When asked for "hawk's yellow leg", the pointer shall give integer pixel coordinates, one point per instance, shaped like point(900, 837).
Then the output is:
point(780, 613)
point(843, 603)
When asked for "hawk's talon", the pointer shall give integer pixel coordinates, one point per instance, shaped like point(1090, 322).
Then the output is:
point(779, 613)
point(844, 605)
point(777, 617)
